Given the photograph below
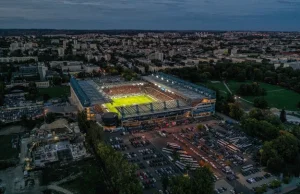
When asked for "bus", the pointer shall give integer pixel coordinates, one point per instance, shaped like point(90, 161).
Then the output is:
point(179, 166)
point(247, 167)
point(117, 129)
point(222, 143)
point(170, 158)
point(180, 163)
point(194, 166)
point(174, 146)
point(185, 156)
point(190, 161)
point(167, 152)
point(182, 152)
point(166, 149)
point(233, 148)
point(162, 134)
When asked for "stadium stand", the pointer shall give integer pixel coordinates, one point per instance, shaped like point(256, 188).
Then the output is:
point(122, 90)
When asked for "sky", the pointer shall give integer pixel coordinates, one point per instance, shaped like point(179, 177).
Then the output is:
point(269, 15)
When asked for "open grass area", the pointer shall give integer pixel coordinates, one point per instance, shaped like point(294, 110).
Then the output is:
point(277, 96)
point(126, 101)
point(7, 151)
point(56, 91)
point(216, 85)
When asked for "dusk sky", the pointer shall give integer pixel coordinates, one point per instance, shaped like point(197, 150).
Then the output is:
point(282, 15)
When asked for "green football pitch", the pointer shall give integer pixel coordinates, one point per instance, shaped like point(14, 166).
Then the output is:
point(127, 101)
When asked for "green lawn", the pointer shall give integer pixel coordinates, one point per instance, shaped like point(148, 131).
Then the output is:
point(217, 85)
point(277, 96)
point(56, 91)
point(126, 101)
point(7, 151)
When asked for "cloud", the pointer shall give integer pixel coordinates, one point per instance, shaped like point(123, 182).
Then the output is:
point(143, 13)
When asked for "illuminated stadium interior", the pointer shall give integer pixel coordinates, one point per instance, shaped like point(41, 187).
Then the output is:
point(157, 95)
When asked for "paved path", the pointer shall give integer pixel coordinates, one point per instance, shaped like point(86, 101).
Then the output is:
point(227, 87)
point(243, 99)
point(69, 178)
point(59, 189)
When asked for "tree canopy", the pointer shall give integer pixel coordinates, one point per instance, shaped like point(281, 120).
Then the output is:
point(199, 182)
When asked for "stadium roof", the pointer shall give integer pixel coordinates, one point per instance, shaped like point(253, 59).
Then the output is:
point(88, 92)
point(179, 86)
point(110, 85)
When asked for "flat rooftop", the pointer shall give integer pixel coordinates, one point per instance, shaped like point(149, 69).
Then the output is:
point(89, 92)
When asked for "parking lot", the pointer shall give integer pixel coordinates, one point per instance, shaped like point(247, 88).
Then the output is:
point(152, 163)
point(220, 146)
point(15, 107)
point(255, 178)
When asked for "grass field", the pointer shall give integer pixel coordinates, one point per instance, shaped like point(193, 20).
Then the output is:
point(56, 91)
point(8, 152)
point(277, 96)
point(125, 101)
point(217, 85)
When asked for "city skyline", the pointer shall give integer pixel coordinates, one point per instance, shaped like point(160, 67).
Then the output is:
point(269, 15)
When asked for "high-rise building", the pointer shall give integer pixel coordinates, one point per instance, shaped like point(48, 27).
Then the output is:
point(61, 52)
point(159, 56)
point(42, 69)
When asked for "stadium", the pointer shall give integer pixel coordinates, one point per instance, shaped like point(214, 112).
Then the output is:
point(155, 96)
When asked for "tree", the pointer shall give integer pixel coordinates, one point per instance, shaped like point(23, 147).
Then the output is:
point(260, 103)
point(165, 182)
point(180, 185)
point(27, 123)
point(23, 120)
point(2, 92)
point(283, 149)
point(296, 131)
point(50, 117)
point(287, 146)
point(120, 172)
point(32, 91)
point(83, 123)
point(200, 182)
point(2, 88)
point(235, 111)
point(298, 105)
point(46, 97)
point(256, 113)
point(283, 116)
point(56, 80)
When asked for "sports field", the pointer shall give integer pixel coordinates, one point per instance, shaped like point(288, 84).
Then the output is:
point(127, 101)
point(277, 96)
